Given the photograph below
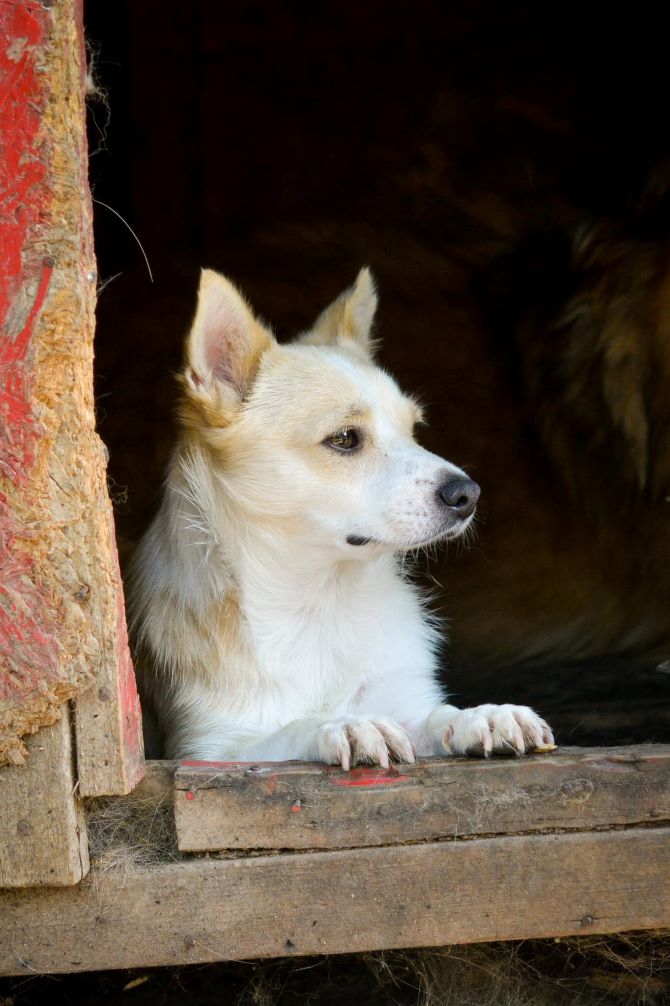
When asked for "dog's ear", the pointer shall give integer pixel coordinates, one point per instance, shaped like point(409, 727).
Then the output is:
point(348, 320)
point(225, 344)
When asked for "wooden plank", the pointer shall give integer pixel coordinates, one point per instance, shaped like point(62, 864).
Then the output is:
point(26, 619)
point(107, 716)
point(108, 720)
point(60, 590)
point(336, 902)
point(292, 805)
point(42, 827)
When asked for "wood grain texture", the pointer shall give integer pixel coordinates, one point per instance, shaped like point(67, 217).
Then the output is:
point(108, 720)
point(343, 901)
point(60, 593)
point(312, 806)
point(42, 827)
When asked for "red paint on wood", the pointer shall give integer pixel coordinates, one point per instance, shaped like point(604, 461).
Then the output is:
point(270, 772)
point(24, 195)
point(32, 614)
point(22, 171)
point(17, 426)
point(27, 628)
point(369, 777)
point(222, 765)
point(27, 625)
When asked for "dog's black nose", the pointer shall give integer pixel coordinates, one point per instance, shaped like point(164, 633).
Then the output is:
point(460, 495)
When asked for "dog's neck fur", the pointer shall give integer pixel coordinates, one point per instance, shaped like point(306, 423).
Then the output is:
point(215, 549)
point(292, 611)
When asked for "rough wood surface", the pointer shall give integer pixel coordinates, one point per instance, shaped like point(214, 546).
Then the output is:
point(336, 902)
point(108, 721)
point(60, 627)
point(42, 827)
point(298, 806)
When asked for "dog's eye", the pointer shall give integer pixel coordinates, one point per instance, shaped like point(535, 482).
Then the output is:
point(344, 440)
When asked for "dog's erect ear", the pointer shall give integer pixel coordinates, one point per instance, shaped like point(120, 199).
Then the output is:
point(226, 342)
point(348, 320)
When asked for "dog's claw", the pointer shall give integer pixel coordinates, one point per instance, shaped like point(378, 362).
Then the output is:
point(355, 740)
point(489, 728)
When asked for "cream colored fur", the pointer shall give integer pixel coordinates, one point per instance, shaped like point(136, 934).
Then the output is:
point(270, 616)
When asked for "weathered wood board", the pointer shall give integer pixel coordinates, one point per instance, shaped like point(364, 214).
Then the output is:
point(107, 717)
point(42, 825)
point(292, 805)
point(61, 607)
point(342, 901)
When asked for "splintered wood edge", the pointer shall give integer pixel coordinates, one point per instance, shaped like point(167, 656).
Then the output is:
point(208, 909)
point(292, 805)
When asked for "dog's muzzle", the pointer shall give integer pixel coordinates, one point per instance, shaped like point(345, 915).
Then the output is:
point(460, 495)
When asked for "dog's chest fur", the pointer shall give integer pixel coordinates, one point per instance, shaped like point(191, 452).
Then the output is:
point(305, 644)
point(288, 643)
point(324, 638)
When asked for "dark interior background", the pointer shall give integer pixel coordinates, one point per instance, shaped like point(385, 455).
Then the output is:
point(462, 150)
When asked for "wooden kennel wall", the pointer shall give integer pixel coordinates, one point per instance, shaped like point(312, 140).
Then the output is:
point(268, 859)
point(65, 661)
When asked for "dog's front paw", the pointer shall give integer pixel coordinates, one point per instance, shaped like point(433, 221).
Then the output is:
point(351, 740)
point(488, 728)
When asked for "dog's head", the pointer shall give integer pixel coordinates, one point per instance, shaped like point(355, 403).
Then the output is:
point(313, 436)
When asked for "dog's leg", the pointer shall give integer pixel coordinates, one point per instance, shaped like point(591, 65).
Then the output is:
point(345, 741)
point(198, 731)
point(481, 730)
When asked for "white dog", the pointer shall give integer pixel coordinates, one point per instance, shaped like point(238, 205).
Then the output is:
point(270, 615)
